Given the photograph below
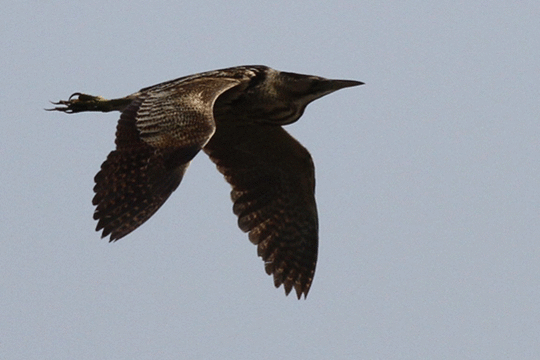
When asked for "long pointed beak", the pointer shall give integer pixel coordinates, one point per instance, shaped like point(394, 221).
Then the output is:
point(334, 85)
point(327, 86)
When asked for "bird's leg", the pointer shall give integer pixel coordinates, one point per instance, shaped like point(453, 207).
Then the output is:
point(79, 102)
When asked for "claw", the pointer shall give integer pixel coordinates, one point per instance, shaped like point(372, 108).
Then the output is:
point(75, 94)
point(60, 108)
point(82, 102)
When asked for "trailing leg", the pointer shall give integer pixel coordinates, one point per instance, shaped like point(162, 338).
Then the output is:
point(79, 102)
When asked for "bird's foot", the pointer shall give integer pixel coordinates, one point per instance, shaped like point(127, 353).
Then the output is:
point(79, 102)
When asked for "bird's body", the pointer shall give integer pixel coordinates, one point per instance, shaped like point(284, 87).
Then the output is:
point(235, 116)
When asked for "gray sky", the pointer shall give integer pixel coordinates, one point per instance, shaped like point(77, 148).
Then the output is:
point(428, 184)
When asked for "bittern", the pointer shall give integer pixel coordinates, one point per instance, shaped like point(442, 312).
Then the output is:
point(235, 116)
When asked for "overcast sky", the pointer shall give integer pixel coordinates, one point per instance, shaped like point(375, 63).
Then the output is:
point(428, 184)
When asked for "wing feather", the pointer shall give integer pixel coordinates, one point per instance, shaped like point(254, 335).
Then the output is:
point(157, 136)
point(273, 184)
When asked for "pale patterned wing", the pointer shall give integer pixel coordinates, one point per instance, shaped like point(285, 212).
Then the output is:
point(157, 136)
point(273, 190)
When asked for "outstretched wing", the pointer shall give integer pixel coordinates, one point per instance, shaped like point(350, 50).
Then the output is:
point(157, 136)
point(273, 190)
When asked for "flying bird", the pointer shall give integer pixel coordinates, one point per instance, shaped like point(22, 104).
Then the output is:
point(235, 116)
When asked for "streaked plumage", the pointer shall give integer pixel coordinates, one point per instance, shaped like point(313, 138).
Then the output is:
point(235, 116)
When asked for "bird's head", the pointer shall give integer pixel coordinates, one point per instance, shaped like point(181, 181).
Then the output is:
point(288, 93)
point(273, 97)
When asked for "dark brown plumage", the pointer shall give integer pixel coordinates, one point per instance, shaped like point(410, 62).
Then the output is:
point(235, 116)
